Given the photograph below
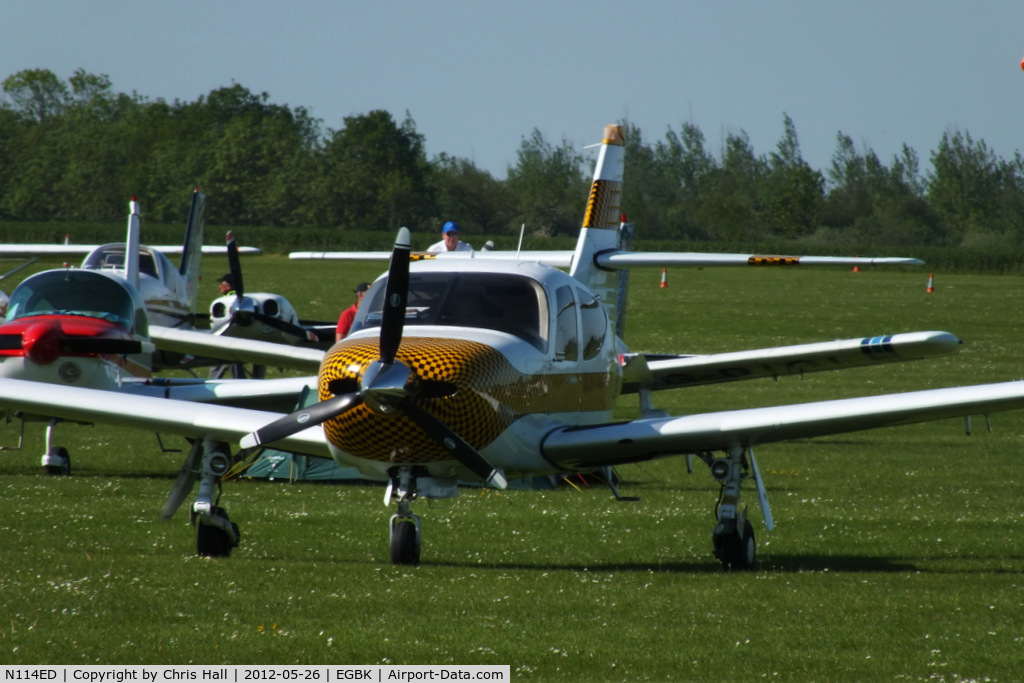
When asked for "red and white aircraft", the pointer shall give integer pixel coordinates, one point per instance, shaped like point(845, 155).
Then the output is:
point(495, 368)
point(91, 326)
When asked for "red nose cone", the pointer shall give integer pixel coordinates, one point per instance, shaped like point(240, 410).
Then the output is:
point(42, 342)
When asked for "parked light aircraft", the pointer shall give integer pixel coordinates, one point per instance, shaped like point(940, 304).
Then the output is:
point(90, 326)
point(262, 316)
point(498, 368)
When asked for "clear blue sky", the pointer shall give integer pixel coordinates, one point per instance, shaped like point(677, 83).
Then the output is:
point(477, 77)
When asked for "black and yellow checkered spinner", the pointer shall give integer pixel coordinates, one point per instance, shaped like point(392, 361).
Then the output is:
point(490, 395)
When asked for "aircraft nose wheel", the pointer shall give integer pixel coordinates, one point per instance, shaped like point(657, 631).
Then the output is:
point(405, 540)
point(737, 551)
point(217, 539)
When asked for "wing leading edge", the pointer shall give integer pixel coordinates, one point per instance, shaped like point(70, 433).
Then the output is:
point(650, 372)
point(193, 420)
point(621, 443)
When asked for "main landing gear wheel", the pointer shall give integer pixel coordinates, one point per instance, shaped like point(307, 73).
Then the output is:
point(737, 551)
point(405, 540)
point(213, 541)
point(57, 462)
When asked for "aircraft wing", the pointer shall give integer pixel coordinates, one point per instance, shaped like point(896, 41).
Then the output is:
point(621, 260)
point(555, 258)
point(580, 448)
point(207, 249)
point(58, 250)
point(278, 395)
point(235, 350)
point(642, 371)
point(188, 419)
point(30, 250)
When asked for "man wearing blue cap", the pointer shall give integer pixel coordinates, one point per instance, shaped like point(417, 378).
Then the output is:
point(450, 240)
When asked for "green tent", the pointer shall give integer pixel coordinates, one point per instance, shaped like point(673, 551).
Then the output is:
point(276, 465)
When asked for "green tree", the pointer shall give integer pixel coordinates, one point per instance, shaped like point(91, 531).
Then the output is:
point(469, 195)
point(733, 207)
point(793, 191)
point(375, 175)
point(965, 187)
point(36, 94)
point(547, 187)
point(873, 205)
point(668, 183)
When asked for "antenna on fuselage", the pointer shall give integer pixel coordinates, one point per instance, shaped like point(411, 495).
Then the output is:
point(522, 232)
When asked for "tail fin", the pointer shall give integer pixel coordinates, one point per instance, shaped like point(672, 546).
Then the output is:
point(132, 242)
point(192, 251)
point(601, 221)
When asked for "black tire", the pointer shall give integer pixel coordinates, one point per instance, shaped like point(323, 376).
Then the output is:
point(405, 547)
point(212, 541)
point(63, 470)
point(737, 552)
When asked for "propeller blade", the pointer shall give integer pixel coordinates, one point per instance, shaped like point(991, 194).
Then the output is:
point(459, 449)
point(300, 419)
point(395, 297)
point(234, 264)
point(115, 347)
point(186, 480)
point(10, 342)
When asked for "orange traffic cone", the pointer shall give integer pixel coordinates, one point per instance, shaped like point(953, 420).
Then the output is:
point(664, 278)
point(931, 283)
point(856, 269)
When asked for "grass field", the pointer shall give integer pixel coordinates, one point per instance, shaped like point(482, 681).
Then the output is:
point(897, 553)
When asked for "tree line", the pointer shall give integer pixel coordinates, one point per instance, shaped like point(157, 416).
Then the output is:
point(74, 150)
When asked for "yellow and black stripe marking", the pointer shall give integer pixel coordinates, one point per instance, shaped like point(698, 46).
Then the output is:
point(773, 261)
point(603, 204)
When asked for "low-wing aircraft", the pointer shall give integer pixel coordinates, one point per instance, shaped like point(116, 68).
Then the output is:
point(491, 369)
point(90, 326)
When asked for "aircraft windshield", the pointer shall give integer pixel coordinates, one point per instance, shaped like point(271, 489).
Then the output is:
point(507, 303)
point(72, 292)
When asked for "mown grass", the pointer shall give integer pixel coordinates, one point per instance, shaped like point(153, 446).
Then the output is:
point(897, 555)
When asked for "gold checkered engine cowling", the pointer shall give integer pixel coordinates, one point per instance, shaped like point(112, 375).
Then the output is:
point(490, 394)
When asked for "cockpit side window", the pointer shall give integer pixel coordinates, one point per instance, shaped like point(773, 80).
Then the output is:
point(566, 330)
point(594, 324)
point(507, 303)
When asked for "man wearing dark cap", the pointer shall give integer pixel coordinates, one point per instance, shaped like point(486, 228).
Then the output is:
point(449, 240)
point(226, 284)
point(346, 317)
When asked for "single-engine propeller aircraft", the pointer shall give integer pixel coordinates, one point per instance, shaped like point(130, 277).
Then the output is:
point(90, 326)
point(262, 316)
point(490, 369)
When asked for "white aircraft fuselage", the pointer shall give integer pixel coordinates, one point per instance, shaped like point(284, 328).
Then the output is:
point(526, 348)
point(166, 293)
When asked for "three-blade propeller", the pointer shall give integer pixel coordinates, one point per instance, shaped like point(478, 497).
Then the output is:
point(386, 384)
